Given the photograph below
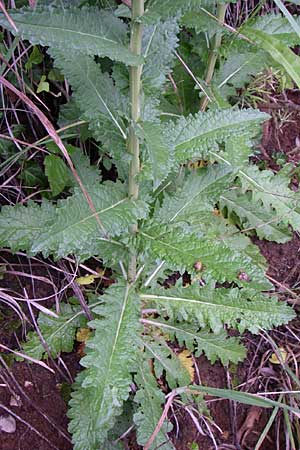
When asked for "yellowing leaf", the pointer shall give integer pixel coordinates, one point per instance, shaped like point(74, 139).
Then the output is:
point(86, 280)
point(283, 356)
point(89, 279)
point(83, 334)
point(197, 164)
point(185, 359)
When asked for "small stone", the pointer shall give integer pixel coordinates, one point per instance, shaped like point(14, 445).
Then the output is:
point(28, 384)
point(15, 400)
point(8, 424)
point(243, 276)
point(198, 266)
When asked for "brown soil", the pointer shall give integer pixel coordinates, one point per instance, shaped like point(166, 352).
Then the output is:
point(283, 261)
point(281, 134)
point(41, 412)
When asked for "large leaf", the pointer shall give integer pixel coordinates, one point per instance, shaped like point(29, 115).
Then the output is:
point(255, 217)
point(198, 195)
point(150, 398)
point(59, 175)
point(114, 145)
point(75, 224)
point(89, 174)
point(94, 91)
point(275, 25)
point(196, 136)
point(156, 10)
point(219, 260)
point(105, 383)
point(239, 308)
point(203, 22)
point(215, 346)
point(159, 42)
point(71, 227)
point(88, 31)
point(245, 60)
point(20, 226)
point(161, 155)
point(272, 190)
point(238, 68)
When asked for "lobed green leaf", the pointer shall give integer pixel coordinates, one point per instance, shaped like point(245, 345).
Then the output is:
point(71, 226)
point(197, 136)
point(104, 385)
point(150, 399)
point(215, 346)
point(255, 217)
point(89, 31)
point(181, 249)
point(197, 196)
point(94, 91)
point(273, 192)
point(58, 333)
point(239, 308)
point(160, 154)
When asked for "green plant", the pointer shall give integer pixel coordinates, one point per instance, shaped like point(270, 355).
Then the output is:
point(159, 216)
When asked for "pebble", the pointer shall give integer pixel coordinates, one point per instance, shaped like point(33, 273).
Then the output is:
point(8, 424)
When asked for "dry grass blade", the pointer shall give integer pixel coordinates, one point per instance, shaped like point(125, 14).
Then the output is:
point(29, 358)
point(56, 138)
point(77, 291)
point(163, 417)
point(12, 23)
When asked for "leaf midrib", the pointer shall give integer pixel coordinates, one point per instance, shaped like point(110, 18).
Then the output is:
point(124, 305)
point(85, 219)
point(67, 30)
point(202, 302)
point(188, 333)
point(210, 183)
point(231, 127)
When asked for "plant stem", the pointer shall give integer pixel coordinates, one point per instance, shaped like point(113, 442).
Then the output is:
point(213, 56)
point(137, 10)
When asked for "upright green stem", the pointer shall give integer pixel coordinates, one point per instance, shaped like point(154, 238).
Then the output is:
point(213, 56)
point(135, 101)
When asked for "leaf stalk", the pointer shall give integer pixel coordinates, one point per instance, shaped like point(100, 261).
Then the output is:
point(135, 101)
point(213, 56)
